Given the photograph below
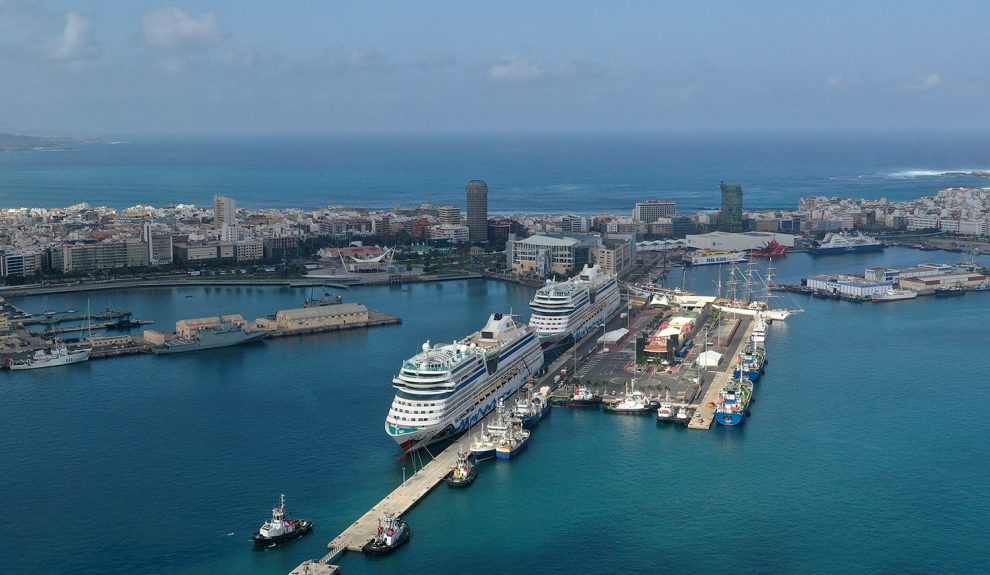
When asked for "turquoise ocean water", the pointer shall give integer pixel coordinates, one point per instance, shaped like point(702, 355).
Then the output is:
point(534, 174)
point(866, 451)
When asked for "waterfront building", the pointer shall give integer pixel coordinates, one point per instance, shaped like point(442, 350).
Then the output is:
point(854, 286)
point(224, 211)
point(652, 210)
point(19, 264)
point(616, 254)
point(477, 210)
point(732, 201)
point(281, 248)
point(928, 285)
point(542, 255)
point(449, 215)
point(159, 245)
point(189, 328)
point(896, 275)
point(316, 318)
point(737, 242)
point(453, 233)
point(93, 256)
point(249, 250)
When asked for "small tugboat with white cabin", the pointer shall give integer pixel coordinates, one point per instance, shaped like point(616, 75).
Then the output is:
point(464, 472)
point(392, 533)
point(281, 529)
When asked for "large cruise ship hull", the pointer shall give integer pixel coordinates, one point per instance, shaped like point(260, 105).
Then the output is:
point(519, 367)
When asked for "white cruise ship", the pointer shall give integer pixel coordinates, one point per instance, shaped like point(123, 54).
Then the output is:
point(575, 307)
point(447, 388)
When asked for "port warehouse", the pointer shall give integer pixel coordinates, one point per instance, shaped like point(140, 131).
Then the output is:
point(865, 287)
point(928, 285)
point(284, 322)
point(730, 242)
point(895, 275)
point(848, 285)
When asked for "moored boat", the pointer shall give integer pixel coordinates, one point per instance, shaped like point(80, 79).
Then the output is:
point(464, 471)
point(634, 402)
point(771, 249)
point(58, 354)
point(733, 401)
point(949, 291)
point(281, 529)
point(840, 243)
point(665, 412)
point(582, 397)
point(513, 441)
point(894, 295)
point(392, 533)
point(483, 446)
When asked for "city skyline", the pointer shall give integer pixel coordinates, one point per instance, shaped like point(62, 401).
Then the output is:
point(221, 67)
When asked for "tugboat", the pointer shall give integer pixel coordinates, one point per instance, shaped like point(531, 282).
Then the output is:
point(281, 529)
point(463, 473)
point(483, 446)
point(582, 397)
point(512, 442)
point(392, 533)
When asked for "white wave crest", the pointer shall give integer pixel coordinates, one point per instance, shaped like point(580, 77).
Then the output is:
point(906, 174)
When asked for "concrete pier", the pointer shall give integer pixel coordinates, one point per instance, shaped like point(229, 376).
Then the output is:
point(704, 414)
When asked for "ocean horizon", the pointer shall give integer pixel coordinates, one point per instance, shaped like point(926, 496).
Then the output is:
point(526, 174)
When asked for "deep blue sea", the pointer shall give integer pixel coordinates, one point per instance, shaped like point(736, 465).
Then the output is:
point(866, 451)
point(526, 174)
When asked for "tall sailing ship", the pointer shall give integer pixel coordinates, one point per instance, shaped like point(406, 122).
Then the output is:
point(574, 308)
point(445, 389)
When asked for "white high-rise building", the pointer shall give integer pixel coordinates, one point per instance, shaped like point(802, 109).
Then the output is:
point(449, 215)
point(653, 210)
point(224, 212)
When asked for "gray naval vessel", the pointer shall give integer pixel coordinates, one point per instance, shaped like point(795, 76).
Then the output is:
point(225, 334)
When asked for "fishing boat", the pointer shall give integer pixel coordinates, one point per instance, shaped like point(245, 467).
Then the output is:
point(464, 471)
point(582, 397)
point(682, 414)
point(512, 442)
point(949, 291)
point(532, 408)
point(483, 446)
point(281, 529)
point(392, 533)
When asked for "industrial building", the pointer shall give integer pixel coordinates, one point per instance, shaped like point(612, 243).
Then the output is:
point(928, 284)
point(854, 286)
point(896, 275)
point(737, 242)
point(320, 318)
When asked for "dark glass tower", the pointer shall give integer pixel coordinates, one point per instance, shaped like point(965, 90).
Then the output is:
point(732, 201)
point(477, 211)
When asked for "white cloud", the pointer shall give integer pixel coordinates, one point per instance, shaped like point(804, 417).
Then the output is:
point(515, 70)
point(835, 80)
point(172, 29)
point(931, 81)
point(75, 43)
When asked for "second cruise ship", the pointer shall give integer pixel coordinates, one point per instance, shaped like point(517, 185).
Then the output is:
point(575, 307)
point(445, 389)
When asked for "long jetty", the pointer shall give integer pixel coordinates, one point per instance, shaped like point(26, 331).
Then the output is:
point(704, 414)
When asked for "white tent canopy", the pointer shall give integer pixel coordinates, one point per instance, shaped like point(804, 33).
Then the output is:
point(709, 359)
point(613, 336)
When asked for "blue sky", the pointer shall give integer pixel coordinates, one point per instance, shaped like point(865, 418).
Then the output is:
point(118, 67)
